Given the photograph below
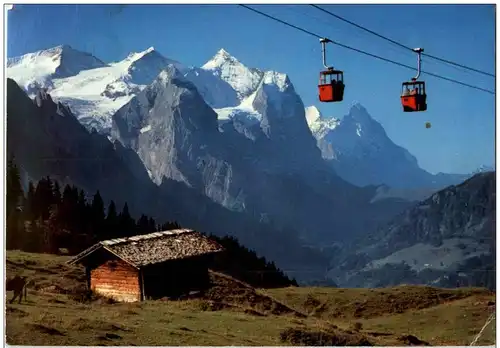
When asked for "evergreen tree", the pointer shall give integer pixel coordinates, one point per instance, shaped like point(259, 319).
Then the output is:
point(97, 216)
point(126, 223)
point(57, 194)
point(152, 225)
point(143, 225)
point(43, 198)
point(82, 212)
point(68, 209)
point(111, 222)
point(14, 187)
point(29, 203)
point(13, 209)
point(50, 192)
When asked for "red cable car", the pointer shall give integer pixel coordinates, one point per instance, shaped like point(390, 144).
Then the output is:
point(331, 82)
point(413, 95)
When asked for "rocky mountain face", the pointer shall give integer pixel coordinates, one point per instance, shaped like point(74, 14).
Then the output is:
point(361, 152)
point(445, 240)
point(47, 139)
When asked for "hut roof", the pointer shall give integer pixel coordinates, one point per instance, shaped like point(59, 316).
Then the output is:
point(155, 247)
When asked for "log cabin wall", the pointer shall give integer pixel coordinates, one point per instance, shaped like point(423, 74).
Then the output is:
point(116, 279)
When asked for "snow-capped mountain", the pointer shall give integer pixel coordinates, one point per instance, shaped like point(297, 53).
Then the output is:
point(260, 105)
point(359, 149)
point(92, 89)
point(243, 80)
point(261, 158)
point(37, 70)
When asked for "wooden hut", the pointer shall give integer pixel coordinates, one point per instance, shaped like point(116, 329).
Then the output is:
point(151, 266)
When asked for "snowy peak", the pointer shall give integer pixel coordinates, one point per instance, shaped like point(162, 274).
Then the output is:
point(73, 61)
point(151, 56)
point(281, 81)
point(222, 57)
point(133, 56)
point(61, 60)
point(242, 79)
point(363, 154)
point(93, 90)
point(145, 66)
point(319, 125)
point(312, 115)
point(37, 70)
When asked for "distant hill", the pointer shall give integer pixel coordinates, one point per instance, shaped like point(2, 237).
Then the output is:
point(445, 240)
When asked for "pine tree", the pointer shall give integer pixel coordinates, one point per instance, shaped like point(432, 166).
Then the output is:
point(57, 194)
point(82, 213)
point(152, 225)
point(143, 225)
point(68, 209)
point(126, 224)
point(29, 203)
point(43, 198)
point(97, 216)
point(14, 187)
point(50, 191)
point(111, 222)
point(14, 199)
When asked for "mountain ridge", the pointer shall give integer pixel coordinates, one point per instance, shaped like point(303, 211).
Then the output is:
point(361, 152)
point(450, 234)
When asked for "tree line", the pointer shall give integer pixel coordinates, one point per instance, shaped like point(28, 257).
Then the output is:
point(50, 219)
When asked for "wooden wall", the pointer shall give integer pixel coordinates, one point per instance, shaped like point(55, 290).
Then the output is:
point(175, 278)
point(116, 279)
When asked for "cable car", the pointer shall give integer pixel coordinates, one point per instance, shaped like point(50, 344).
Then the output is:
point(331, 82)
point(413, 95)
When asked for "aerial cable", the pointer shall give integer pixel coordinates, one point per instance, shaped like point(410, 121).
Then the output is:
point(400, 44)
point(364, 52)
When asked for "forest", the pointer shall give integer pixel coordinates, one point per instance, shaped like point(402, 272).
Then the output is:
point(48, 218)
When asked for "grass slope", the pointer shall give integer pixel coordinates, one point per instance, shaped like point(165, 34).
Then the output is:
point(234, 313)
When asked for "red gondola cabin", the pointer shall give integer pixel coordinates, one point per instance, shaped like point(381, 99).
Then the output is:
point(413, 96)
point(331, 86)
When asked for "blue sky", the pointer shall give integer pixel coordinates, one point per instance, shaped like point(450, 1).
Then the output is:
point(462, 136)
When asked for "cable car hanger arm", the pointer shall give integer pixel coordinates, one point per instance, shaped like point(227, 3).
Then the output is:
point(323, 49)
point(419, 62)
